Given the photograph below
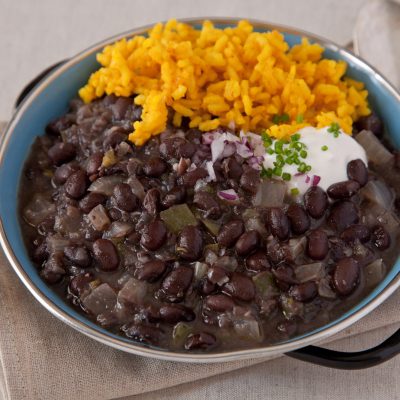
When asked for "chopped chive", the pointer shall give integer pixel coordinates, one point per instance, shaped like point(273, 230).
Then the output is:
point(270, 151)
point(308, 168)
point(302, 168)
point(267, 140)
point(278, 147)
point(286, 176)
point(295, 137)
point(324, 148)
point(303, 154)
point(289, 161)
point(277, 171)
point(298, 146)
point(266, 173)
point(334, 128)
point(294, 191)
point(299, 119)
point(285, 118)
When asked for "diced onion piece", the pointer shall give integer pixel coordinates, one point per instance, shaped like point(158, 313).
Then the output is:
point(210, 170)
point(105, 184)
point(375, 272)
point(325, 290)
point(38, 209)
point(376, 151)
point(270, 193)
point(119, 229)
point(308, 272)
point(200, 270)
point(56, 243)
point(137, 187)
point(229, 195)
point(315, 180)
point(100, 300)
point(291, 307)
point(132, 292)
point(297, 246)
point(378, 192)
point(248, 329)
point(98, 218)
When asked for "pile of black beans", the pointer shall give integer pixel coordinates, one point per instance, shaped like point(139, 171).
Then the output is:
point(140, 241)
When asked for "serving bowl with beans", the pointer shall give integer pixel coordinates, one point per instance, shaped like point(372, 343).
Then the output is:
point(138, 248)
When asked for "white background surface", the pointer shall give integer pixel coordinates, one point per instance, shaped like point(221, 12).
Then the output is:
point(37, 33)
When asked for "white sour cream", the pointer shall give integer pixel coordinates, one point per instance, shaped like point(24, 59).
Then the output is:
point(330, 165)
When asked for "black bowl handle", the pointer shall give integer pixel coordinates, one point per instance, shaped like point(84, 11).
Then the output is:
point(351, 360)
point(313, 354)
point(25, 91)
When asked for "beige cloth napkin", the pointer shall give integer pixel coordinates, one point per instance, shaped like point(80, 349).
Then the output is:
point(42, 358)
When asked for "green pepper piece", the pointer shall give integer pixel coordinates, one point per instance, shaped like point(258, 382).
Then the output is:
point(178, 217)
point(265, 284)
point(180, 332)
point(212, 226)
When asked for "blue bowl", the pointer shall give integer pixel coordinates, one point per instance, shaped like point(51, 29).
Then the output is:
point(50, 99)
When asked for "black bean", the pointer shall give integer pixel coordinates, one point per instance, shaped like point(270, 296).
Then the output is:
point(206, 287)
point(250, 180)
point(232, 168)
point(151, 201)
point(356, 232)
point(91, 200)
point(93, 163)
point(80, 283)
point(370, 123)
point(115, 214)
point(357, 171)
point(345, 276)
point(176, 195)
point(114, 136)
point(218, 275)
point(380, 237)
point(279, 252)
point(257, 262)
point(53, 270)
point(317, 244)
point(168, 147)
point(189, 245)
point(315, 201)
point(105, 254)
point(284, 273)
point(247, 243)
point(154, 235)
point(304, 291)
point(337, 248)
point(299, 220)
point(124, 197)
point(40, 253)
point(63, 172)
point(173, 313)
point(57, 126)
point(240, 287)
point(176, 283)
point(343, 190)
point(78, 255)
point(190, 178)
point(397, 159)
point(205, 201)
point(76, 184)
point(201, 340)
point(154, 167)
point(186, 150)
point(61, 153)
point(342, 215)
point(219, 303)
point(143, 333)
point(230, 233)
point(277, 222)
point(150, 271)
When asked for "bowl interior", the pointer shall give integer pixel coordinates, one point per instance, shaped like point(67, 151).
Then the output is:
point(50, 99)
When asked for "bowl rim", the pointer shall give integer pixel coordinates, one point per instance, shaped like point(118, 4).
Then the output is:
point(133, 347)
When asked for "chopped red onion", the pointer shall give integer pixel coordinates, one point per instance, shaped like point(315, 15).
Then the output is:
point(243, 150)
point(210, 170)
point(229, 149)
point(315, 180)
point(228, 194)
point(308, 179)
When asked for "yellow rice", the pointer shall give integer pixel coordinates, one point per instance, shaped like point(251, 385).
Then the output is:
point(226, 77)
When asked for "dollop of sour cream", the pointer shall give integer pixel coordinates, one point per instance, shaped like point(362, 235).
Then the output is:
point(328, 156)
